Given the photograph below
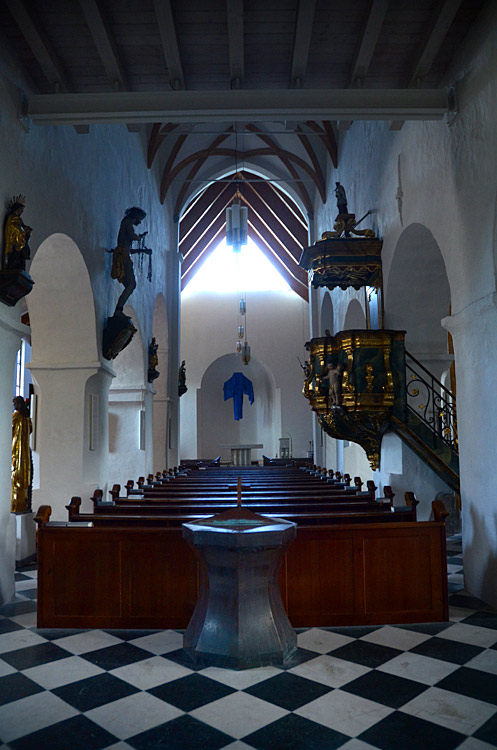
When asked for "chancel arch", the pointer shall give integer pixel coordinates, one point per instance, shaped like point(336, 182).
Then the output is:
point(216, 425)
point(130, 411)
point(66, 371)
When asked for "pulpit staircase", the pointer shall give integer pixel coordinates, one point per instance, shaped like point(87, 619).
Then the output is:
point(429, 426)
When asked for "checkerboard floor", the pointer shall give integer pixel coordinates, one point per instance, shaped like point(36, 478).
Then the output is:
point(428, 686)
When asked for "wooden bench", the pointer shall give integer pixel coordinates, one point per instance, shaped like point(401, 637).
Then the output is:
point(332, 575)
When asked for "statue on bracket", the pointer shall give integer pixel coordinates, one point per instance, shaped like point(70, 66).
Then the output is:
point(21, 457)
point(15, 282)
point(182, 386)
point(345, 223)
point(119, 329)
point(153, 361)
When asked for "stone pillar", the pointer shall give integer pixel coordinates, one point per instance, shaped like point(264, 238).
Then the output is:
point(473, 330)
point(160, 412)
point(11, 332)
point(71, 432)
point(174, 292)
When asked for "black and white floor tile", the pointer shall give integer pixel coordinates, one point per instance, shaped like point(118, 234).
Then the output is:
point(427, 686)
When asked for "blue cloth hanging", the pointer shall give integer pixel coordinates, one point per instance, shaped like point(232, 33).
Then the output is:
point(234, 388)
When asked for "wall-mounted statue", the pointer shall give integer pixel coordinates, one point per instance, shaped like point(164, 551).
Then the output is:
point(182, 387)
point(341, 197)
point(16, 236)
point(122, 265)
point(153, 361)
point(21, 457)
point(15, 282)
point(119, 329)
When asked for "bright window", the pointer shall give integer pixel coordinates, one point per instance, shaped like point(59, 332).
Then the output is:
point(247, 271)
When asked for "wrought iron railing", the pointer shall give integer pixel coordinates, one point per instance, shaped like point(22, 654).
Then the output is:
point(432, 402)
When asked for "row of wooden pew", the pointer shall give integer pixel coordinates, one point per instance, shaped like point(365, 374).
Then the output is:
point(357, 559)
point(308, 498)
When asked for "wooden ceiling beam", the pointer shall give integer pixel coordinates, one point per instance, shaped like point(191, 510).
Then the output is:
point(269, 213)
point(212, 239)
point(206, 199)
point(105, 44)
point(188, 239)
point(276, 202)
point(193, 171)
point(288, 247)
point(165, 22)
point(234, 10)
point(284, 158)
point(287, 260)
point(299, 287)
point(39, 44)
point(302, 42)
point(369, 39)
point(158, 135)
point(436, 32)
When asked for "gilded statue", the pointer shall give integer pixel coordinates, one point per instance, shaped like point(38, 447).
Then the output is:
point(21, 457)
point(122, 265)
point(16, 236)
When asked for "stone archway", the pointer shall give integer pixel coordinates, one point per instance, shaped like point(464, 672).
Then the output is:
point(261, 422)
point(68, 377)
point(417, 297)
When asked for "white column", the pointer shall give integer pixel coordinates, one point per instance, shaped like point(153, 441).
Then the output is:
point(174, 292)
point(10, 340)
point(473, 330)
point(71, 444)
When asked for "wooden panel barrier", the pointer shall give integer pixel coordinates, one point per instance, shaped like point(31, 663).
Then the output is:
point(359, 574)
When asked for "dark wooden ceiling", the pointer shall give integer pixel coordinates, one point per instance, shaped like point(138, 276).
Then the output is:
point(98, 46)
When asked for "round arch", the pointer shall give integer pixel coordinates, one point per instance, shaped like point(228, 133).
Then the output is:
point(261, 422)
point(354, 317)
point(417, 291)
point(61, 305)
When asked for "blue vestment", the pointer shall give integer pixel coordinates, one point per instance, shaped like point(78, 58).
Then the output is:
point(234, 388)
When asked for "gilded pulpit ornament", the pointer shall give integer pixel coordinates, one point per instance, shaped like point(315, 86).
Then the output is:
point(21, 457)
point(341, 259)
point(15, 282)
point(355, 382)
point(119, 329)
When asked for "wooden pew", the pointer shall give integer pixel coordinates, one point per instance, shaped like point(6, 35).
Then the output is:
point(148, 578)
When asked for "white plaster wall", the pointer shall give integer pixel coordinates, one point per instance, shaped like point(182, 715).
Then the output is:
point(448, 182)
point(277, 327)
point(405, 472)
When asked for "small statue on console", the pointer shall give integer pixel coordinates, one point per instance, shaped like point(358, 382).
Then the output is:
point(16, 236)
point(153, 361)
point(345, 223)
point(341, 197)
point(21, 457)
point(122, 265)
point(334, 373)
point(182, 387)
